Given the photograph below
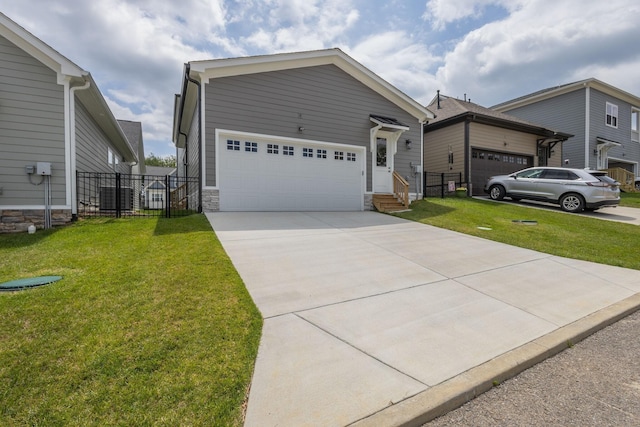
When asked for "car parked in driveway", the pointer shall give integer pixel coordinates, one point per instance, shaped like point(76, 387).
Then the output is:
point(573, 189)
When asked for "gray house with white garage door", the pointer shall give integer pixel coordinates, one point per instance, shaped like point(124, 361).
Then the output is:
point(298, 131)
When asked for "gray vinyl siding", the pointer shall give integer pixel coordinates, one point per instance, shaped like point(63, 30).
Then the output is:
point(331, 105)
point(630, 150)
point(564, 113)
point(92, 145)
point(193, 154)
point(31, 127)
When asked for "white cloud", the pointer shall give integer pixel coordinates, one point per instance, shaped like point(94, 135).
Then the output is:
point(443, 12)
point(401, 61)
point(542, 44)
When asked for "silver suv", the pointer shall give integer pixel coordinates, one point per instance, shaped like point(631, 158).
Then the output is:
point(573, 189)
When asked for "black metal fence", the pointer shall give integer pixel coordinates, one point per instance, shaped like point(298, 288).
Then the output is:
point(437, 184)
point(124, 195)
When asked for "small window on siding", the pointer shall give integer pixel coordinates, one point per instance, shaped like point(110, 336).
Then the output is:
point(635, 125)
point(110, 156)
point(612, 115)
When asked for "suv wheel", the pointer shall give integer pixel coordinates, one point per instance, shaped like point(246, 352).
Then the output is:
point(496, 192)
point(572, 202)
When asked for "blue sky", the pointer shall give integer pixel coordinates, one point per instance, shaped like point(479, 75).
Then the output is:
point(489, 50)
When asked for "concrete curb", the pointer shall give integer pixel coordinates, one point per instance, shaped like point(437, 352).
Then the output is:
point(455, 392)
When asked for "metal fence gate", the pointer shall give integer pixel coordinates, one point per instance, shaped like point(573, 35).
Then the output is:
point(125, 195)
point(437, 184)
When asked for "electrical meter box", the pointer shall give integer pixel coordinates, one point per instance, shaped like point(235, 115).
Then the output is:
point(43, 168)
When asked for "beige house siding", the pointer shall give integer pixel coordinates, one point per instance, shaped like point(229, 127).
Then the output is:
point(504, 140)
point(436, 149)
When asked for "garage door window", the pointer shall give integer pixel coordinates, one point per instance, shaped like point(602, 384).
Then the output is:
point(307, 152)
point(251, 147)
point(287, 150)
point(351, 157)
point(233, 145)
point(272, 148)
point(322, 154)
point(338, 155)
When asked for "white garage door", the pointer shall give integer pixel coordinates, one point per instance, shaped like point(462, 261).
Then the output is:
point(270, 174)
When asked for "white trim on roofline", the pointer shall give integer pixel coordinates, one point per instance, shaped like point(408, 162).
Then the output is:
point(561, 90)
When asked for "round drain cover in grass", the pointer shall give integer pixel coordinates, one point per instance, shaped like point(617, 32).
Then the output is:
point(17, 285)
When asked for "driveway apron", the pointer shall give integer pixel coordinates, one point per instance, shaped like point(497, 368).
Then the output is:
point(364, 311)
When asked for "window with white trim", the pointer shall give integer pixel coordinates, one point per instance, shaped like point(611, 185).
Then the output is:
point(233, 145)
point(338, 155)
point(321, 154)
point(287, 150)
point(351, 157)
point(307, 152)
point(612, 115)
point(113, 159)
point(272, 148)
point(635, 125)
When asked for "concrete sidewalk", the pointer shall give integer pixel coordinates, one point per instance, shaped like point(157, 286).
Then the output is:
point(374, 320)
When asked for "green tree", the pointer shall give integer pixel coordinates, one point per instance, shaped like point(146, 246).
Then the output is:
point(166, 161)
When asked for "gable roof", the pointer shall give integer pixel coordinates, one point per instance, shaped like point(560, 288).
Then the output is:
point(91, 97)
point(216, 68)
point(566, 88)
point(453, 110)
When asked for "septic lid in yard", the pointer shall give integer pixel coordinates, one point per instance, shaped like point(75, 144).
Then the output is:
point(20, 284)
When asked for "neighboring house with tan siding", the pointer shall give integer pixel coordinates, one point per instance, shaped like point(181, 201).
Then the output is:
point(300, 131)
point(478, 142)
point(53, 122)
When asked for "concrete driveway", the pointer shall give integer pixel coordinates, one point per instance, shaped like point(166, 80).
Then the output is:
point(374, 320)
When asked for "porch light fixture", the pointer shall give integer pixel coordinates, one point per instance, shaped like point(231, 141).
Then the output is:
point(408, 143)
point(595, 151)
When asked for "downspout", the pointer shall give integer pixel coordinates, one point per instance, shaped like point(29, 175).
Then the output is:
point(200, 163)
point(72, 148)
point(587, 125)
point(185, 160)
point(467, 149)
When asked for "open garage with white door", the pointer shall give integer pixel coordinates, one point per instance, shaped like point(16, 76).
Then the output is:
point(267, 173)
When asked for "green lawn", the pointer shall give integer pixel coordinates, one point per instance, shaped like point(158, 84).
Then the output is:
point(631, 200)
point(556, 233)
point(150, 325)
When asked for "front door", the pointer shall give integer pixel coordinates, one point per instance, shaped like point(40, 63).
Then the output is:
point(384, 166)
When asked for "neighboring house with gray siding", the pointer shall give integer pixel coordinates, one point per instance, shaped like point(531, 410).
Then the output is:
point(53, 119)
point(478, 142)
point(605, 122)
point(311, 130)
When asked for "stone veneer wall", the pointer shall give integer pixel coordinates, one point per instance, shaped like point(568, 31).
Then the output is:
point(17, 220)
point(210, 200)
point(368, 202)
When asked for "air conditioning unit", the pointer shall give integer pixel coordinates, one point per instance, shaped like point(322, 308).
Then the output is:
point(108, 198)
